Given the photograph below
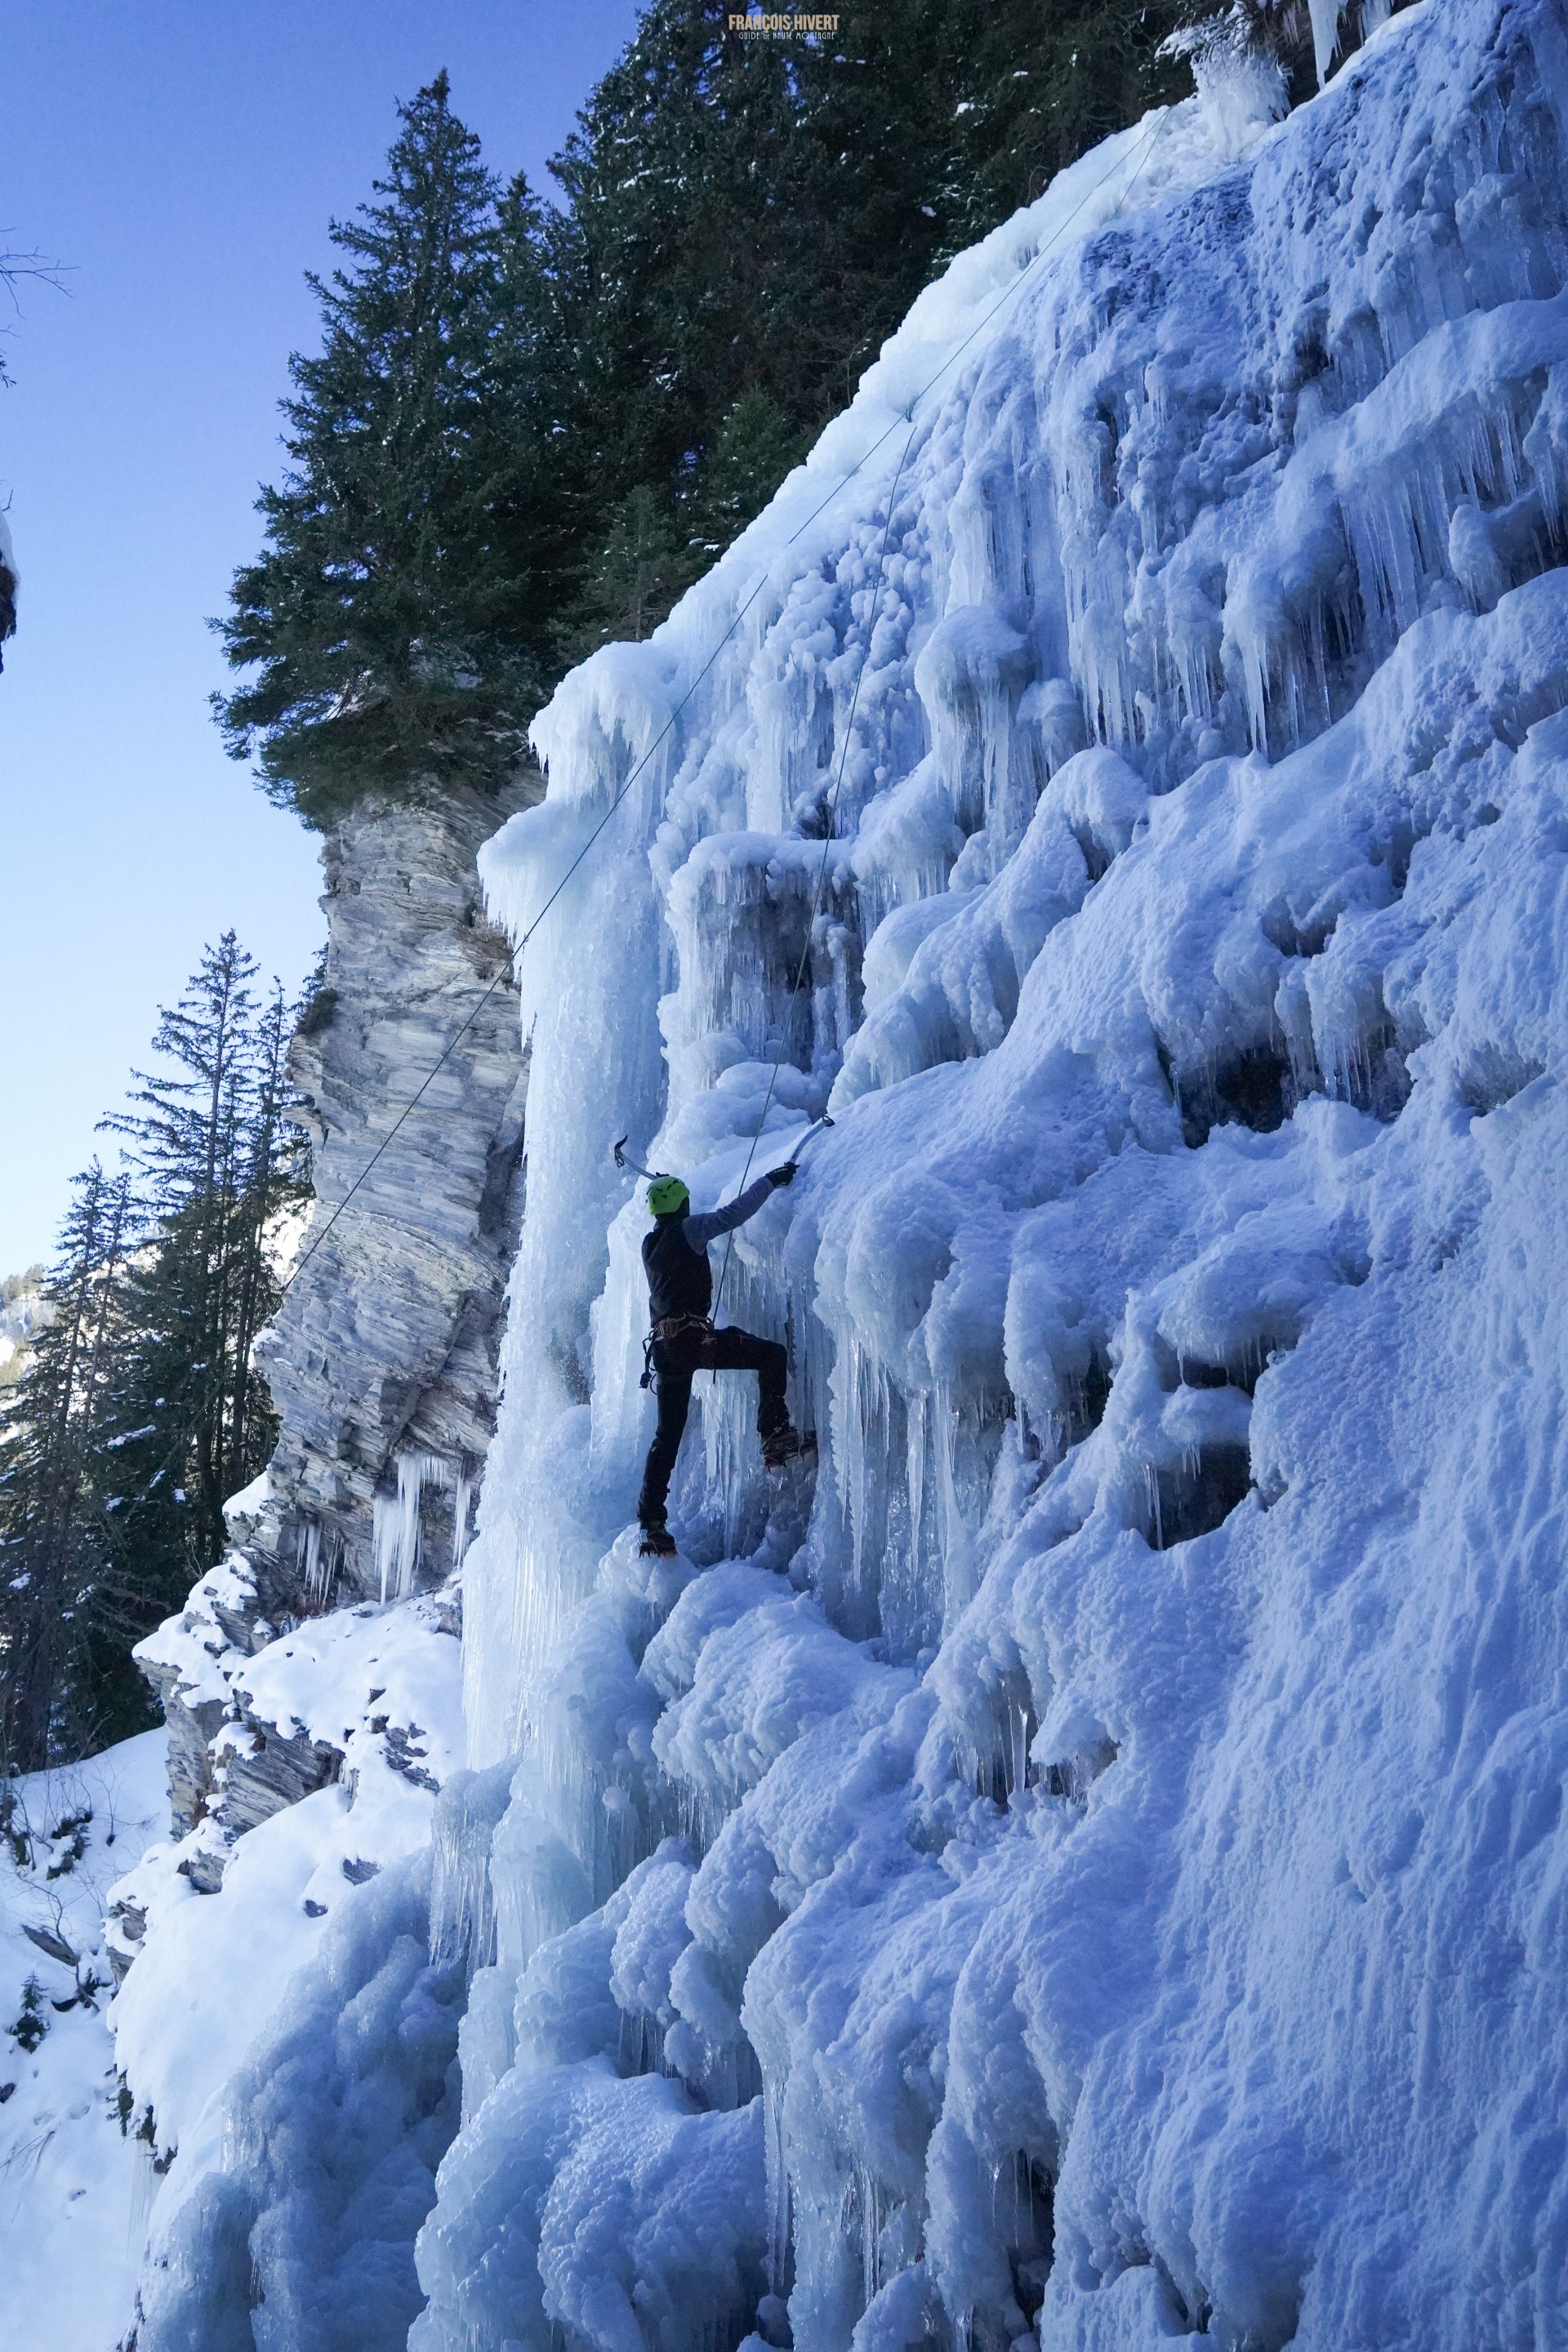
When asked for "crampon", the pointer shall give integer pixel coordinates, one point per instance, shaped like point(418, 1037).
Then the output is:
point(786, 1445)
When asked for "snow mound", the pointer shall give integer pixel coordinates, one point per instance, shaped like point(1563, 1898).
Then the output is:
point(285, 2042)
point(74, 2182)
point(301, 2240)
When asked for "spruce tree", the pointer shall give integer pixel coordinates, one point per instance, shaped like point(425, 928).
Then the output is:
point(391, 621)
point(937, 121)
point(49, 1544)
point(690, 276)
point(219, 1167)
point(528, 430)
point(629, 579)
point(140, 1412)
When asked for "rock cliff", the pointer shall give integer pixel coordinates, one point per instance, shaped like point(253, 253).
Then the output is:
point(382, 1363)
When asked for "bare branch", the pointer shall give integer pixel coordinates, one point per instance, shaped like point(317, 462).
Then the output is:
point(16, 267)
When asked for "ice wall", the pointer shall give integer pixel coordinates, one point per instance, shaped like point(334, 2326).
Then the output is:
point(1090, 1873)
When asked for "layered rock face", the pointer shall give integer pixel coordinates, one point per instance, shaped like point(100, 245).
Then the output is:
point(385, 1351)
point(382, 1362)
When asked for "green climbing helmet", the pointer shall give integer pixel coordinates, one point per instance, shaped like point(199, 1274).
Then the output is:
point(666, 1196)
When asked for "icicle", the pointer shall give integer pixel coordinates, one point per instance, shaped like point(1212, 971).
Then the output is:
point(1325, 15)
point(462, 1903)
point(319, 1559)
point(395, 1521)
point(461, 1507)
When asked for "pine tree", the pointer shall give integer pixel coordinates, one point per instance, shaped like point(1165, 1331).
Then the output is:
point(219, 1167)
point(49, 1548)
point(391, 618)
point(140, 1412)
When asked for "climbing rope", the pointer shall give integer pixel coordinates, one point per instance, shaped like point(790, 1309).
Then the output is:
point(831, 819)
point(860, 674)
point(905, 415)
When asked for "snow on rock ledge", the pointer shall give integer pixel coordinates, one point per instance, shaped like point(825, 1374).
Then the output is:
point(283, 2038)
point(1109, 1890)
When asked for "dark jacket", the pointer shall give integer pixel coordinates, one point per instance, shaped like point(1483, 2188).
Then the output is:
point(679, 1279)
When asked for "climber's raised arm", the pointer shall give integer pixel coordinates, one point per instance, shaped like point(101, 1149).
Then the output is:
point(699, 1229)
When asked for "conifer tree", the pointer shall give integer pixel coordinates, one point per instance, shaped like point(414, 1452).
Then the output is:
point(390, 620)
point(219, 1167)
point(528, 430)
point(629, 580)
point(690, 267)
point(49, 1547)
point(140, 1412)
point(939, 121)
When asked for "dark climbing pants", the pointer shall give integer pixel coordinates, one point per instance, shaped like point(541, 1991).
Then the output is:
point(675, 1367)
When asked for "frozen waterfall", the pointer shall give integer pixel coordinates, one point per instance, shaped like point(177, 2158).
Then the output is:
point(1088, 1878)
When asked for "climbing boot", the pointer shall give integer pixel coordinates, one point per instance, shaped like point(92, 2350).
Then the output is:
point(657, 1543)
point(786, 1445)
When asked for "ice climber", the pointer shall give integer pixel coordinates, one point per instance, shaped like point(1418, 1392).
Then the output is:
point(683, 1342)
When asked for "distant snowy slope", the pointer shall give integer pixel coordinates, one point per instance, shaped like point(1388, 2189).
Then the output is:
point(21, 1312)
point(1109, 1890)
point(74, 2183)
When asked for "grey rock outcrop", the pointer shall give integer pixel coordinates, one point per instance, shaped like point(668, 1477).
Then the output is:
point(385, 1350)
point(382, 1363)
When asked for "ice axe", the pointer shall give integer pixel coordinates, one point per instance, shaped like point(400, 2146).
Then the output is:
point(814, 1129)
point(624, 1159)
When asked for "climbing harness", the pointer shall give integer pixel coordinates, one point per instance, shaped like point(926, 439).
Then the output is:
point(664, 1334)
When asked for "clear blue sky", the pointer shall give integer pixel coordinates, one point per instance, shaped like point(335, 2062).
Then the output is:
point(182, 158)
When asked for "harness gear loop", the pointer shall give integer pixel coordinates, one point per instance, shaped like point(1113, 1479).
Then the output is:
point(670, 1328)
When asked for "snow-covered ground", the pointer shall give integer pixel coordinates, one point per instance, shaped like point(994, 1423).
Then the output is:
point(74, 2186)
point(285, 2040)
point(1088, 1873)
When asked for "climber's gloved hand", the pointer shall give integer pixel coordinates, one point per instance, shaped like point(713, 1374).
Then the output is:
point(785, 1174)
